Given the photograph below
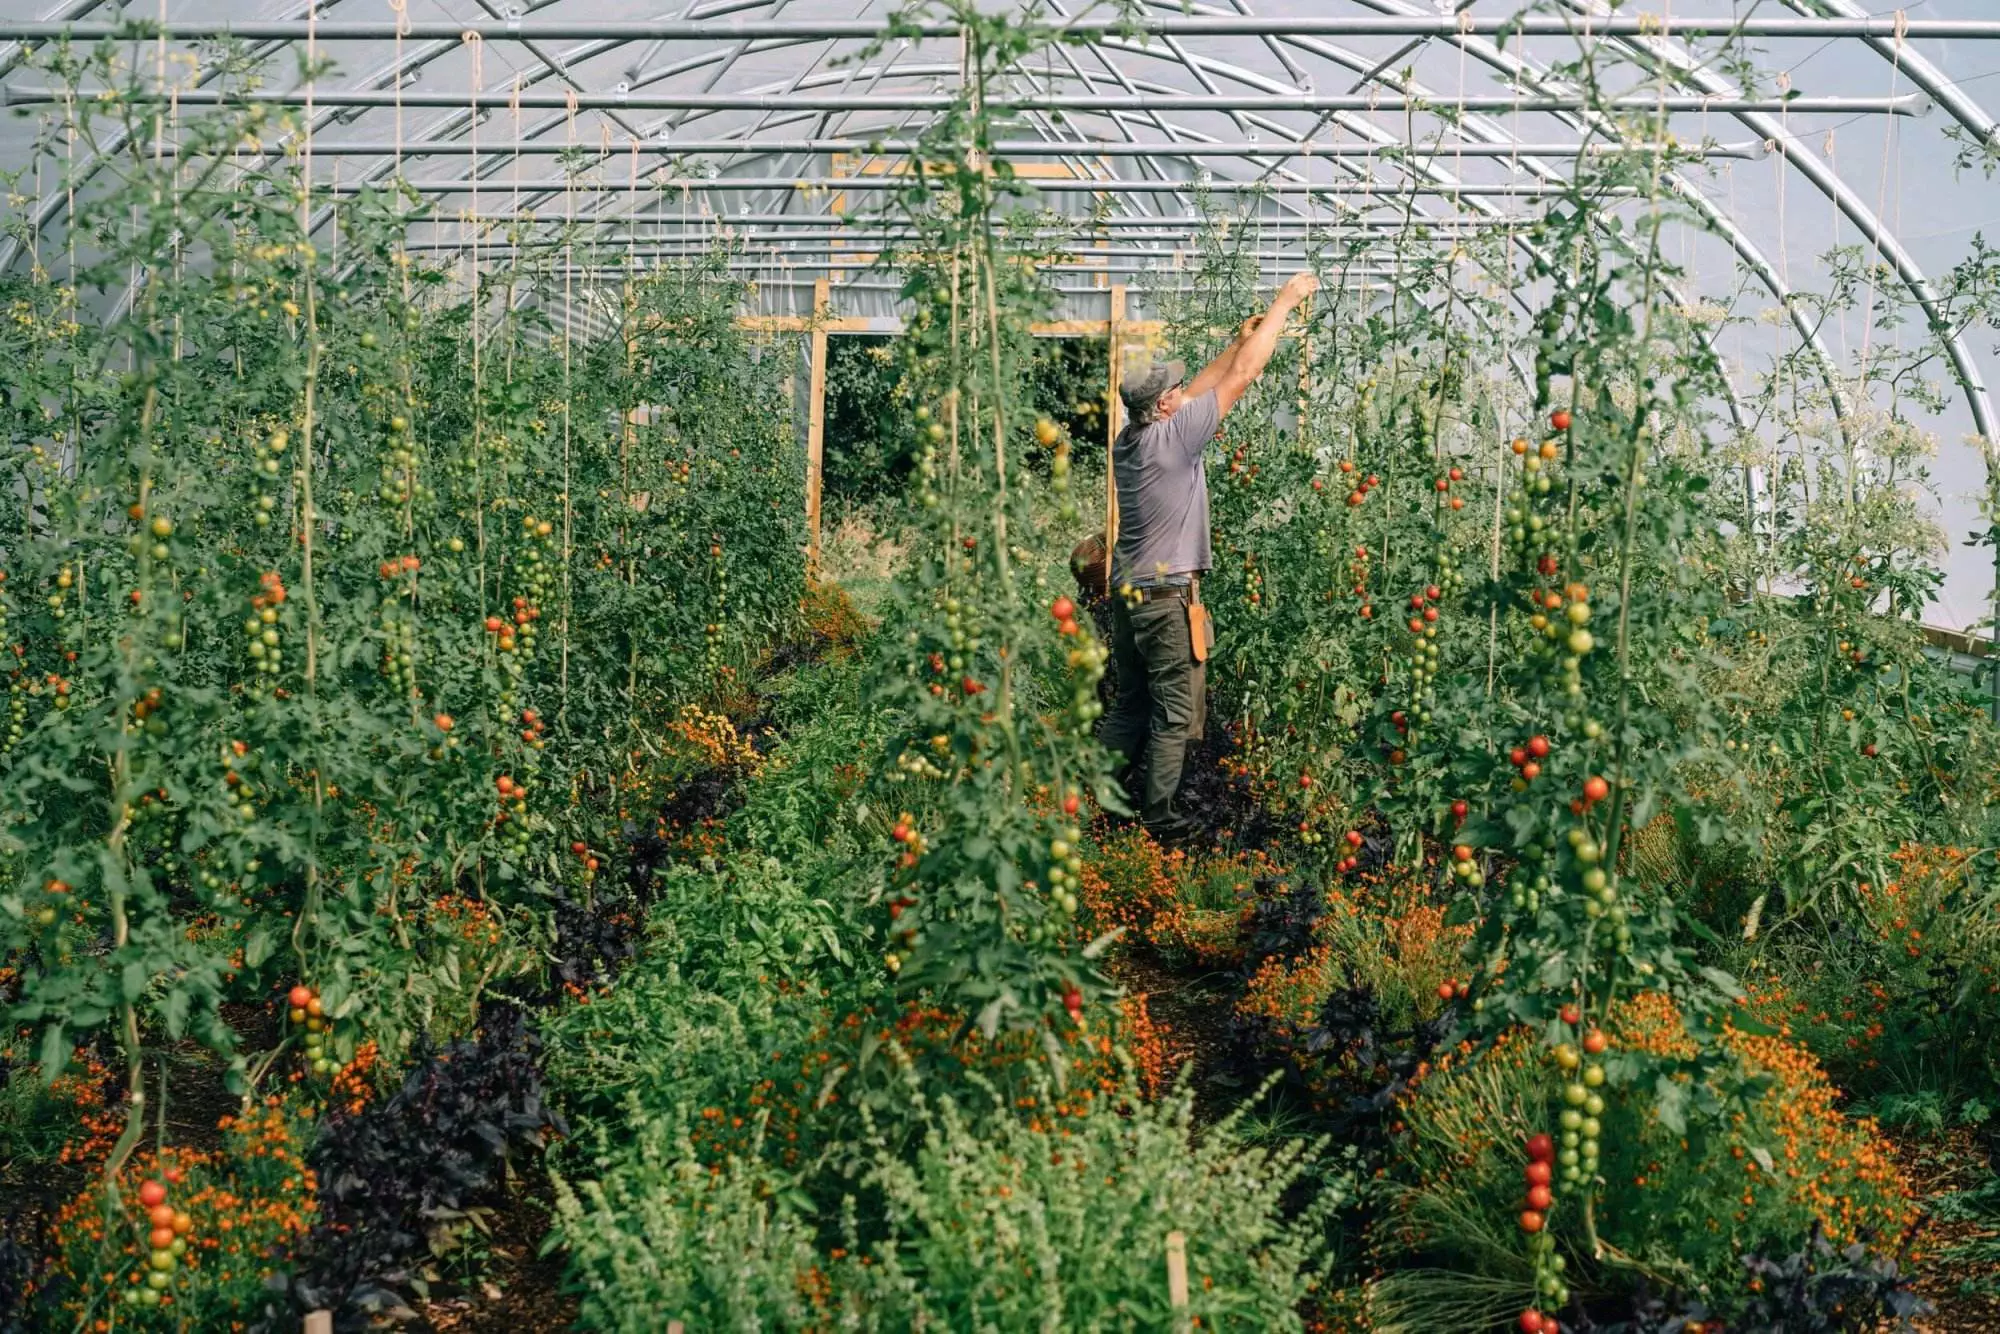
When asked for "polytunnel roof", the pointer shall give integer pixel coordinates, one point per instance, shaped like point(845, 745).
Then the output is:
point(661, 125)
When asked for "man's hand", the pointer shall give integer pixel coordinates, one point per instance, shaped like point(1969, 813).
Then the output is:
point(1259, 339)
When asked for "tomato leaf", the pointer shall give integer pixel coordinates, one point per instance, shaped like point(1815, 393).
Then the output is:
point(55, 1052)
point(1670, 1102)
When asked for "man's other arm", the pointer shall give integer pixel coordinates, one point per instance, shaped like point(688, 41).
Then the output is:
point(1211, 374)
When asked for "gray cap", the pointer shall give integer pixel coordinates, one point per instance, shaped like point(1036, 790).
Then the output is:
point(1145, 380)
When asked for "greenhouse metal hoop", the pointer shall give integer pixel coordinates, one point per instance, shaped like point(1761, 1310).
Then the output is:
point(1651, 35)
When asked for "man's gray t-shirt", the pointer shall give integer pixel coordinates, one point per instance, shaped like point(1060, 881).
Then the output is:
point(1163, 496)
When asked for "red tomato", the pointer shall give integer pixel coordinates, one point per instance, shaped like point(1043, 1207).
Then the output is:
point(1540, 1198)
point(1541, 1148)
point(1531, 1321)
point(1595, 789)
point(1070, 804)
point(1531, 771)
point(1560, 419)
point(1538, 746)
point(1571, 1015)
point(1062, 609)
point(300, 996)
point(1539, 1173)
point(1517, 757)
point(152, 1193)
point(1354, 838)
point(1595, 1042)
point(1446, 991)
point(1532, 1221)
point(1458, 810)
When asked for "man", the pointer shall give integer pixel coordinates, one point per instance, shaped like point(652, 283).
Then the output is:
point(1160, 635)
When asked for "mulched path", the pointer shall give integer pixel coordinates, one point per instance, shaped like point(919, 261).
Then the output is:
point(1959, 1272)
point(519, 1290)
point(1192, 1013)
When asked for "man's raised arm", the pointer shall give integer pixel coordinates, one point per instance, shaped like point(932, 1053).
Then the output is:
point(1253, 354)
point(1211, 374)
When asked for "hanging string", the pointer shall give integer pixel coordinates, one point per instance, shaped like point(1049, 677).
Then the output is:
point(35, 216)
point(569, 319)
point(1890, 160)
point(401, 9)
point(306, 144)
point(470, 234)
point(1778, 149)
point(1458, 127)
point(1833, 209)
point(514, 113)
point(179, 175)
point(477, 46)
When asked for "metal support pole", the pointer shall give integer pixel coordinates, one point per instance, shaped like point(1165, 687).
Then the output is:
point(824, 184)
point(1196, 26)
point(1114, 419)
point(1273, 148)
point(726, 224)
point(816, 423)
point(1908, 104)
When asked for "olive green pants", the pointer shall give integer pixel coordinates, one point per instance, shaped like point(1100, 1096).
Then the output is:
point(1162, 700)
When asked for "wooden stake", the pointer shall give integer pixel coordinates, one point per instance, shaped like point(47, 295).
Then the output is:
point(675, 1327)
point(1177, 1287)
point(816, 425)
point(319, 1322)
point(1114, 332)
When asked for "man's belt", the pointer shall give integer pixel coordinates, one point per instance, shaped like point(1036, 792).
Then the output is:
point(1188, 592)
